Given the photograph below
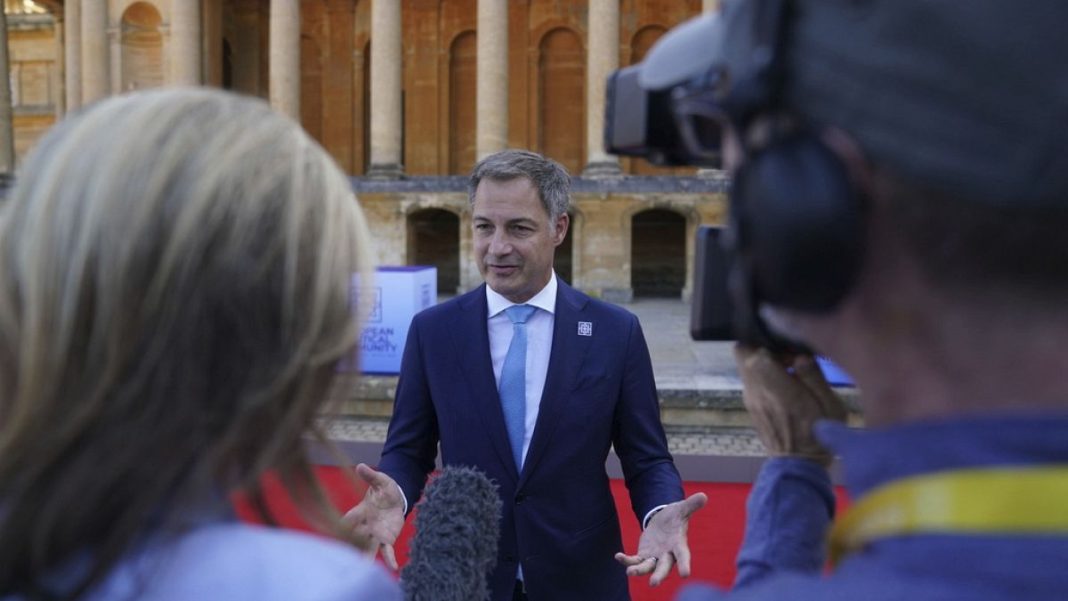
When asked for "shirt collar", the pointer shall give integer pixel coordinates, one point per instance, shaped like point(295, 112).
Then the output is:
point(544, 300)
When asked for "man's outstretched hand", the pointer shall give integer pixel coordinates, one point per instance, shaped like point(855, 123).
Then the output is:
point(664, 544)
point(377, 520)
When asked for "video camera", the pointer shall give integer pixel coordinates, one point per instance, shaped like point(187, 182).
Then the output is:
point(640, 122)
point(794, 235)
point(666, 111)
point(655, 110)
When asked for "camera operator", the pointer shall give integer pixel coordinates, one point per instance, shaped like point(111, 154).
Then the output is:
point(899, 203)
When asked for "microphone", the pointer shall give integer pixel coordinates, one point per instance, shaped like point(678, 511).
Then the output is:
point(454, 548)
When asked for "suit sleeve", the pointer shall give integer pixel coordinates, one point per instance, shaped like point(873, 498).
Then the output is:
point(637, 434)
point(411, 444)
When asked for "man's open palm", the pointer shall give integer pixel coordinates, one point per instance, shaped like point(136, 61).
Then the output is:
point(377, 520)
point(664, 544)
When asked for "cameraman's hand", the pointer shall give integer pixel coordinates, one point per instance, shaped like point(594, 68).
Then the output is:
point(784, 405)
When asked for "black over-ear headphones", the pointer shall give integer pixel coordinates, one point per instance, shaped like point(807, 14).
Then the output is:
point(796, 232)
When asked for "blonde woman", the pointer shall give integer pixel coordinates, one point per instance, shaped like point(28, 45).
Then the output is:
point(174, 295)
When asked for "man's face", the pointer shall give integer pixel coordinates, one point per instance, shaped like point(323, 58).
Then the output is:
point(513, 239)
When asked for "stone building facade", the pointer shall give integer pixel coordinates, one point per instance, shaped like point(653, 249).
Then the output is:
point(34, 71)
point(406, 95)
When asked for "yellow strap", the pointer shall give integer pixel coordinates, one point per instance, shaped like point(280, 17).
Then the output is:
point(1023, 500)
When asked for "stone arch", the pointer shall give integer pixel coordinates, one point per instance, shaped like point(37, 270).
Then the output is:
point(434, 239)
point(463, 52)
point(658, 253)
point(643, 40)
point(561, 98)
point(141, 47)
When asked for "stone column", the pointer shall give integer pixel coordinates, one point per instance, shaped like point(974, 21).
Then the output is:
point(212, 47)
point(114, 35)
point(58, 83)
point(7, 117)
point(96, 76)
point(72, 29)
point(284, 56)
point(385, 89)
point(707, 6)
point(602, 57)
point(492, 75)
point(184, 48)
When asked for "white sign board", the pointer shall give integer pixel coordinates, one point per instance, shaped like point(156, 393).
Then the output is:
point(390, 303)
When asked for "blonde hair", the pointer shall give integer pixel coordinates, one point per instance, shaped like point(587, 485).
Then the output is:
point(175, 270)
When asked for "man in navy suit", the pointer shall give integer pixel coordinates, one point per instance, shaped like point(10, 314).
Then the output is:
point(532, 382)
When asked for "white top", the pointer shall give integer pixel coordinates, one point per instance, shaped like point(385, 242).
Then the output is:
point(539, 345)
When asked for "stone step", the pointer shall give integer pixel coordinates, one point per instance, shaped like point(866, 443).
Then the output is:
point(364, 397)
point(682, 440)
point(701, 454)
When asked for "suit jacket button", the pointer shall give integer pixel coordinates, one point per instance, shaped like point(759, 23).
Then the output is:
point(509, 558)
point(519, 499)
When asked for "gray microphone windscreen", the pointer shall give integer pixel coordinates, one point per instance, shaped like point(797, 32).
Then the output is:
point(454, 548)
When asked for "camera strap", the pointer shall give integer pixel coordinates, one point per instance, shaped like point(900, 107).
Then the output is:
point(1017, 501)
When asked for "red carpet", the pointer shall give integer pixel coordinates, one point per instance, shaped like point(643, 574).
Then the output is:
point(715, 532)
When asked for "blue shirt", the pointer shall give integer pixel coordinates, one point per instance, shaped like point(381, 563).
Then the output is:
point(792, 504)
point(230, 561)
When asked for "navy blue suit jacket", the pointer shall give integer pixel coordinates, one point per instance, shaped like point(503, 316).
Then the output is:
point(558, 516)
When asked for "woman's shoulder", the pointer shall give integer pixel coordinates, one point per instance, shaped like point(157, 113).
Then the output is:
point(236, 561)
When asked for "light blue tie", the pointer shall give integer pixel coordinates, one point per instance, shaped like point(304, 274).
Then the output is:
point(514, 380)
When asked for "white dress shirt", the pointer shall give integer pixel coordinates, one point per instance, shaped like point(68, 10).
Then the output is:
point(539, 346)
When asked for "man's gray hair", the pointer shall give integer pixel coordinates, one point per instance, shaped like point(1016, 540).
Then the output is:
point(549, 177)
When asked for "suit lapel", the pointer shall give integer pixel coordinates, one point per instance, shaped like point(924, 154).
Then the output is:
point(565, 360)
point(477, 365)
